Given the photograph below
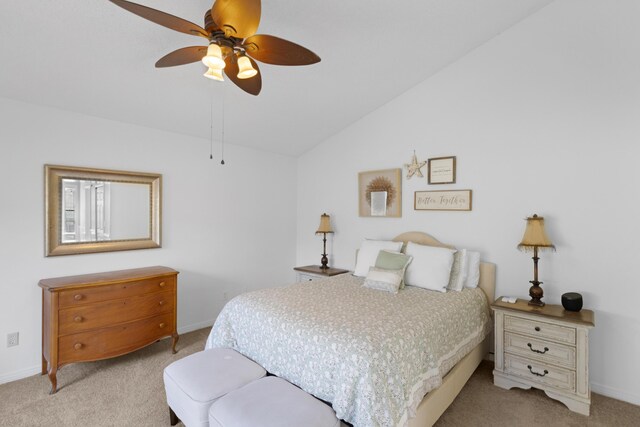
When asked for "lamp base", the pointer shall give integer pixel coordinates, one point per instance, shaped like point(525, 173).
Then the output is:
point(324, 261)
point(536, 293)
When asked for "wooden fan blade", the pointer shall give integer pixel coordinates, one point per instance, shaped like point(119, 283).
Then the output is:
point(237, 18)
point(277, 51)
point(252, 85)
point(186, 55)
point(162, 18)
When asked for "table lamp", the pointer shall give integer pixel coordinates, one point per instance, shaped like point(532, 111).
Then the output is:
point(535, 238)
point(324, 228)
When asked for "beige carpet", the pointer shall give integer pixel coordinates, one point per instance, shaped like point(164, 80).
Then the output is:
point(128, 391)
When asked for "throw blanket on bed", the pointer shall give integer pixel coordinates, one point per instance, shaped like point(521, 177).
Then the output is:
point(372, 354)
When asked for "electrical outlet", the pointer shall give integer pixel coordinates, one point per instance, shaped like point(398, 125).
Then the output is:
point(13, 339)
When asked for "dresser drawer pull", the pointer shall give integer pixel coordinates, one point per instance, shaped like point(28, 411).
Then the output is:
point(162, 325)
point(537, 373)
point(537, 351)
point(161, 302)
point(77, 297)
point(162, 284)
point(77, 319)
point(78, 346)
point(537, 328)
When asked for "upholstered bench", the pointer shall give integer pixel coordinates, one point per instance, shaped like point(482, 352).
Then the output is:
point(270, 402)
point(195, 382)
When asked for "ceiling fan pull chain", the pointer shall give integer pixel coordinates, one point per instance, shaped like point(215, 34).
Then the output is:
point(222, 144)
point(211, 130)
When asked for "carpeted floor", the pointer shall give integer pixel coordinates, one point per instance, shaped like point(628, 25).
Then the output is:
point(128, 391)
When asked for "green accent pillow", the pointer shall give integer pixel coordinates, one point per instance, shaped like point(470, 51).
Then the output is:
point(393, 261)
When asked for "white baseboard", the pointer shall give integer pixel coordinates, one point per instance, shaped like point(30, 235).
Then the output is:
point(195, 326)
point(19, 374)
point(615, 393)
point(33, 370)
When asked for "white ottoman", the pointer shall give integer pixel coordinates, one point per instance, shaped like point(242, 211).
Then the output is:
point(271, 402)
point(193, 383)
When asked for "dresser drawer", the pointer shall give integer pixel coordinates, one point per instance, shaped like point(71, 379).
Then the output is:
point(115, 340)
point(543, 351)
point(540, 330)
point(91, 294)
point(93, 316)
point(540, 372)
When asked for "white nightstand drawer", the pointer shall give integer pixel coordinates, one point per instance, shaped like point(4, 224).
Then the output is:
point(308, 277)
point(542, 330)
point(541, 373)
point(544, 351)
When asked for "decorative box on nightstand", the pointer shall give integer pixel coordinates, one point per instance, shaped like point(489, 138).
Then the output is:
point(311, 273)
point(545, 348)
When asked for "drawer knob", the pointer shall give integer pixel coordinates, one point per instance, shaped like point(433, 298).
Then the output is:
point(537, 373)
point(77, 319)
point(77, 346)
point(162, 284)
point(162, 325)
point(161, 302)
point(77, 297)
point(537, 351)
point(311, 280)
point(537, 328)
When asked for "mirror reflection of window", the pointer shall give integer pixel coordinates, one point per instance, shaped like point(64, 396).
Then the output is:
point(96, 211)
point(86, 210)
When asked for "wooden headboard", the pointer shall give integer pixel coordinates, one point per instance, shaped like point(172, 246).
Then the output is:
point(487, 270)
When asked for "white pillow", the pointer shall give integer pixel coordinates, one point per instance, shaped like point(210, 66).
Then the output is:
point(383, 279)
point(473, 270)
point(431, 267)
point(458, 271)
point(368, 254)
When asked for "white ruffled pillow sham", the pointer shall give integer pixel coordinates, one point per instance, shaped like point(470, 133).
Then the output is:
point(465, 272)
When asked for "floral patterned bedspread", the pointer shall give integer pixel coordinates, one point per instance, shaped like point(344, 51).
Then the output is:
point(372, 354)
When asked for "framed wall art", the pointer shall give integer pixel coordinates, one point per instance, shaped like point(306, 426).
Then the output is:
point(448, 200)
point(442, 170)
point(380, 193)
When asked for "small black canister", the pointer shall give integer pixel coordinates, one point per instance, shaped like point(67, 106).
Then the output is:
point(572, 301)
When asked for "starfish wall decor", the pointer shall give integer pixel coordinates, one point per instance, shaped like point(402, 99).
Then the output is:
point(414, 167)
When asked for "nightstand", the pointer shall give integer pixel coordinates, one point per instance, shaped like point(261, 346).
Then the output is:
point(311, 273)
point(546, 348)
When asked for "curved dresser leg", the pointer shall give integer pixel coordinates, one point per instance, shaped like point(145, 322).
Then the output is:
point(175, 337)
point(53, 371)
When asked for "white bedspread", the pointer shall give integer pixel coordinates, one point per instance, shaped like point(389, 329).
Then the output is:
point(372, 354)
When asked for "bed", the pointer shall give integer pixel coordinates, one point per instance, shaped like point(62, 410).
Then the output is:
point(379, 359)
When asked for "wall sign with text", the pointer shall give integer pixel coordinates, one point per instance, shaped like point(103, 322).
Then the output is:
point(448, 200)
point(442, 170)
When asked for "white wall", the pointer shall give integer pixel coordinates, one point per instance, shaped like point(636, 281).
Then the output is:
point(227, 229)
point(543, 119)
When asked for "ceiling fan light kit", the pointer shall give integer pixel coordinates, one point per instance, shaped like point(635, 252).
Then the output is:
point(230, 27)
point(246, 70)
point(214, 74)
point(213, 58)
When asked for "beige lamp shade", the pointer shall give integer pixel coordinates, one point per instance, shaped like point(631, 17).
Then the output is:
point(325, 224)
point(535, 236)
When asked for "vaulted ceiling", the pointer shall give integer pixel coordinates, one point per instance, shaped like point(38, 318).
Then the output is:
point(98, 59)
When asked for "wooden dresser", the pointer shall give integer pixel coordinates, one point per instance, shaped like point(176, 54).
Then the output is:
point(545, 348)
point(103, 315)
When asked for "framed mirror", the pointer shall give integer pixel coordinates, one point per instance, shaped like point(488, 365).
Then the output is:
point(99, 210)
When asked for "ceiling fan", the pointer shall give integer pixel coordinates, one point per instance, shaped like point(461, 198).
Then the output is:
point(230, 27)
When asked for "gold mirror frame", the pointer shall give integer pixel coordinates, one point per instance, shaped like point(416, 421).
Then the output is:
point(53, 214)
